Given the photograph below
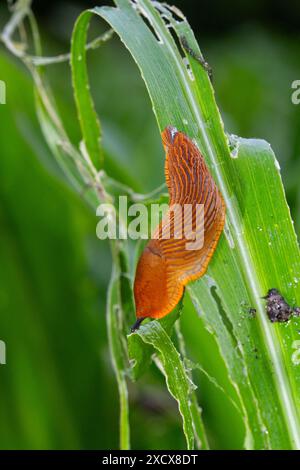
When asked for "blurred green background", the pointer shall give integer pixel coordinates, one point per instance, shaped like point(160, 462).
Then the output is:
point(58, 389)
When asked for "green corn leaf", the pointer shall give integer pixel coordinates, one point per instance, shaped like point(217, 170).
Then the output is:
point(89, 122)
point(140, 354)
point(177, 379)
point(114, 318)
point(258, 249)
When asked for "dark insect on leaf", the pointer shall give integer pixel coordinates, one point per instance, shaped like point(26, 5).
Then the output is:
point(278, 310)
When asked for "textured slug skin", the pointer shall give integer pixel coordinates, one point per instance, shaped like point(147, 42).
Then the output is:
point(165, 265)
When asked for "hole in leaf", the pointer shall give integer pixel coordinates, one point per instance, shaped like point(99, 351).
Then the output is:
point(146, 20)
point(225, 318)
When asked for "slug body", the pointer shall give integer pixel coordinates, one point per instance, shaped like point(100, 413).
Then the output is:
point(166, 264)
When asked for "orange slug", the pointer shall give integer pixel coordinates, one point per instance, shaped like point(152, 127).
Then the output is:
point(166, 265)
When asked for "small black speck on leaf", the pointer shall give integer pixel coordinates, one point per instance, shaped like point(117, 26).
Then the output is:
point(252, 312)
point(278, 310)
point(255, 350)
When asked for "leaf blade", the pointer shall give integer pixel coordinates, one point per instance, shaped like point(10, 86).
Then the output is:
point(188, 103)
point(89, 122)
